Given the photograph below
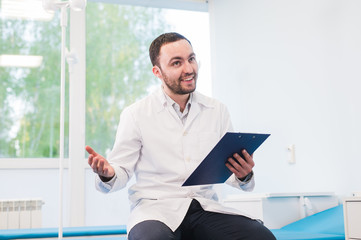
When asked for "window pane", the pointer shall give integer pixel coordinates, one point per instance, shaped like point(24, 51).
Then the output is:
point(29, 91)
point(118, 67)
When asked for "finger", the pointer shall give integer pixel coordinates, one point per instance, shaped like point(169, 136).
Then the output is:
point(90, 160)
point(101, 167)
point(104, 169)
point(248, 158)
point(240, 160)
point(240, 165)
point(105, 172)
point(239, 173)
point(90, 150)
point(94, 165)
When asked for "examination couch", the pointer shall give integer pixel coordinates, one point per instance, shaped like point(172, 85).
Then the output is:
point(327, 224)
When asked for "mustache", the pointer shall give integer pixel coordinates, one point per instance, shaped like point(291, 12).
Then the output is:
point(187, 75)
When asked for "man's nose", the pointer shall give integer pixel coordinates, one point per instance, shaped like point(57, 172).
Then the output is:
point(188, 67)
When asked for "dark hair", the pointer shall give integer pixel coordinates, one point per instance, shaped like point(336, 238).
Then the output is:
point(157, 43)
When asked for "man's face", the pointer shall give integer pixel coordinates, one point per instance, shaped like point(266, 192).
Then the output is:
point(178, 67)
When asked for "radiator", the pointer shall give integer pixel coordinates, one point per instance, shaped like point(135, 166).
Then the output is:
point(20, 213)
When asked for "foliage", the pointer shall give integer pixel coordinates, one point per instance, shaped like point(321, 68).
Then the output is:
point(118, 66)
point(29, 98)
point(118, 72)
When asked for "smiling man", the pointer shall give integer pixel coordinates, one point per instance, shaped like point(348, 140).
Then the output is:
point(161, 139)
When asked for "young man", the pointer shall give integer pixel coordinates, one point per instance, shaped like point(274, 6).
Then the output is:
point(162, 139)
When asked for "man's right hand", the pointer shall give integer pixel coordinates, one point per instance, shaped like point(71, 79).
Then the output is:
point(100, 165)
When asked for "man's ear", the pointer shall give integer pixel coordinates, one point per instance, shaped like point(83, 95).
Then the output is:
point(157, 72)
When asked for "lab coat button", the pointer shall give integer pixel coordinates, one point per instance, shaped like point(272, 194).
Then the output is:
point(185, 134)
point(188, 159)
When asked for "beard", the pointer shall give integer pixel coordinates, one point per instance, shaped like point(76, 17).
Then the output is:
point(175, 85)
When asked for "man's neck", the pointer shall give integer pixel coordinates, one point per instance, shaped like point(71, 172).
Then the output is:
point(180, 99)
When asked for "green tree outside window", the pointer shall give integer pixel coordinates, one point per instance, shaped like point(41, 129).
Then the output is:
point(118, 72)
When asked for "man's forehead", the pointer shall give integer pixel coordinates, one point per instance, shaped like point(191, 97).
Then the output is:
point(176, 49)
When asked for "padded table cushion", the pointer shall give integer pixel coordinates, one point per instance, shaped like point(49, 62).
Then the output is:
point(327, 224)
point(67, 232)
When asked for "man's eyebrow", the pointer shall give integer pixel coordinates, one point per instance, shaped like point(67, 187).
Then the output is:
point(175, 58)
point(180, 58)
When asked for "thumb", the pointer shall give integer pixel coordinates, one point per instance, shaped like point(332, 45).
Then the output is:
point(90, 150)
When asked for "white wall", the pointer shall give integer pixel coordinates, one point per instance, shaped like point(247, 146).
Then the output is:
point(105, 209)
point(36, 184)
point(100, 209)
point(292, 68)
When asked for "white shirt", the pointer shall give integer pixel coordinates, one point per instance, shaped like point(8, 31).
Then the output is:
point(182, 115)
point(154, 144)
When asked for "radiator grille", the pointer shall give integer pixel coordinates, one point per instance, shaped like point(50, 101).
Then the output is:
point(20, 213)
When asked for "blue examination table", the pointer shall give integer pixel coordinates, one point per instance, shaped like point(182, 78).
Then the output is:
point(328, 224)
point(323, 225)
point(96, 233)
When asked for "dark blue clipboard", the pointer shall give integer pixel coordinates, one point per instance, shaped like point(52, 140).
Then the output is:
point(212, 169)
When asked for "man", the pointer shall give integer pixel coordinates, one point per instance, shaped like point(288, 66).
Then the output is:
point(162, 139)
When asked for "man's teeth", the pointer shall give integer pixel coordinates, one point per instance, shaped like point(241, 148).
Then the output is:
point(188, 79)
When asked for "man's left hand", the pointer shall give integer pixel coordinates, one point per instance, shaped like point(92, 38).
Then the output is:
point(241, 167)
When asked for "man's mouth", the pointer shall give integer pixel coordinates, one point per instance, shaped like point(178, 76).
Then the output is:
point(188, 79)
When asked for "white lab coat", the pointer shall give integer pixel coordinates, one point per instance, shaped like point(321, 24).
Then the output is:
point(152, 143)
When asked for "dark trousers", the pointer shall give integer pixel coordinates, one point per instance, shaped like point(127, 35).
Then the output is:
point(202, 225)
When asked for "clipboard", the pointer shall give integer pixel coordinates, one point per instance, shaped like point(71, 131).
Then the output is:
point(212, 169)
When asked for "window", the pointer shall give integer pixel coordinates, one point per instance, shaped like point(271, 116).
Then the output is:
point(29, 80)
point(118, 70)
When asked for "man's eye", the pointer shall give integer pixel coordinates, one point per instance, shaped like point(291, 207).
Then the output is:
point(177, 63)
point(192, 59)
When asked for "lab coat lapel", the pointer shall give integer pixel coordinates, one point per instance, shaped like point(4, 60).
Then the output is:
point(174, 115)
point(167, 107)
point(193, 112)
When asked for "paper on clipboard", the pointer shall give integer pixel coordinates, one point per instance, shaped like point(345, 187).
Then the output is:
point(212, 169)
